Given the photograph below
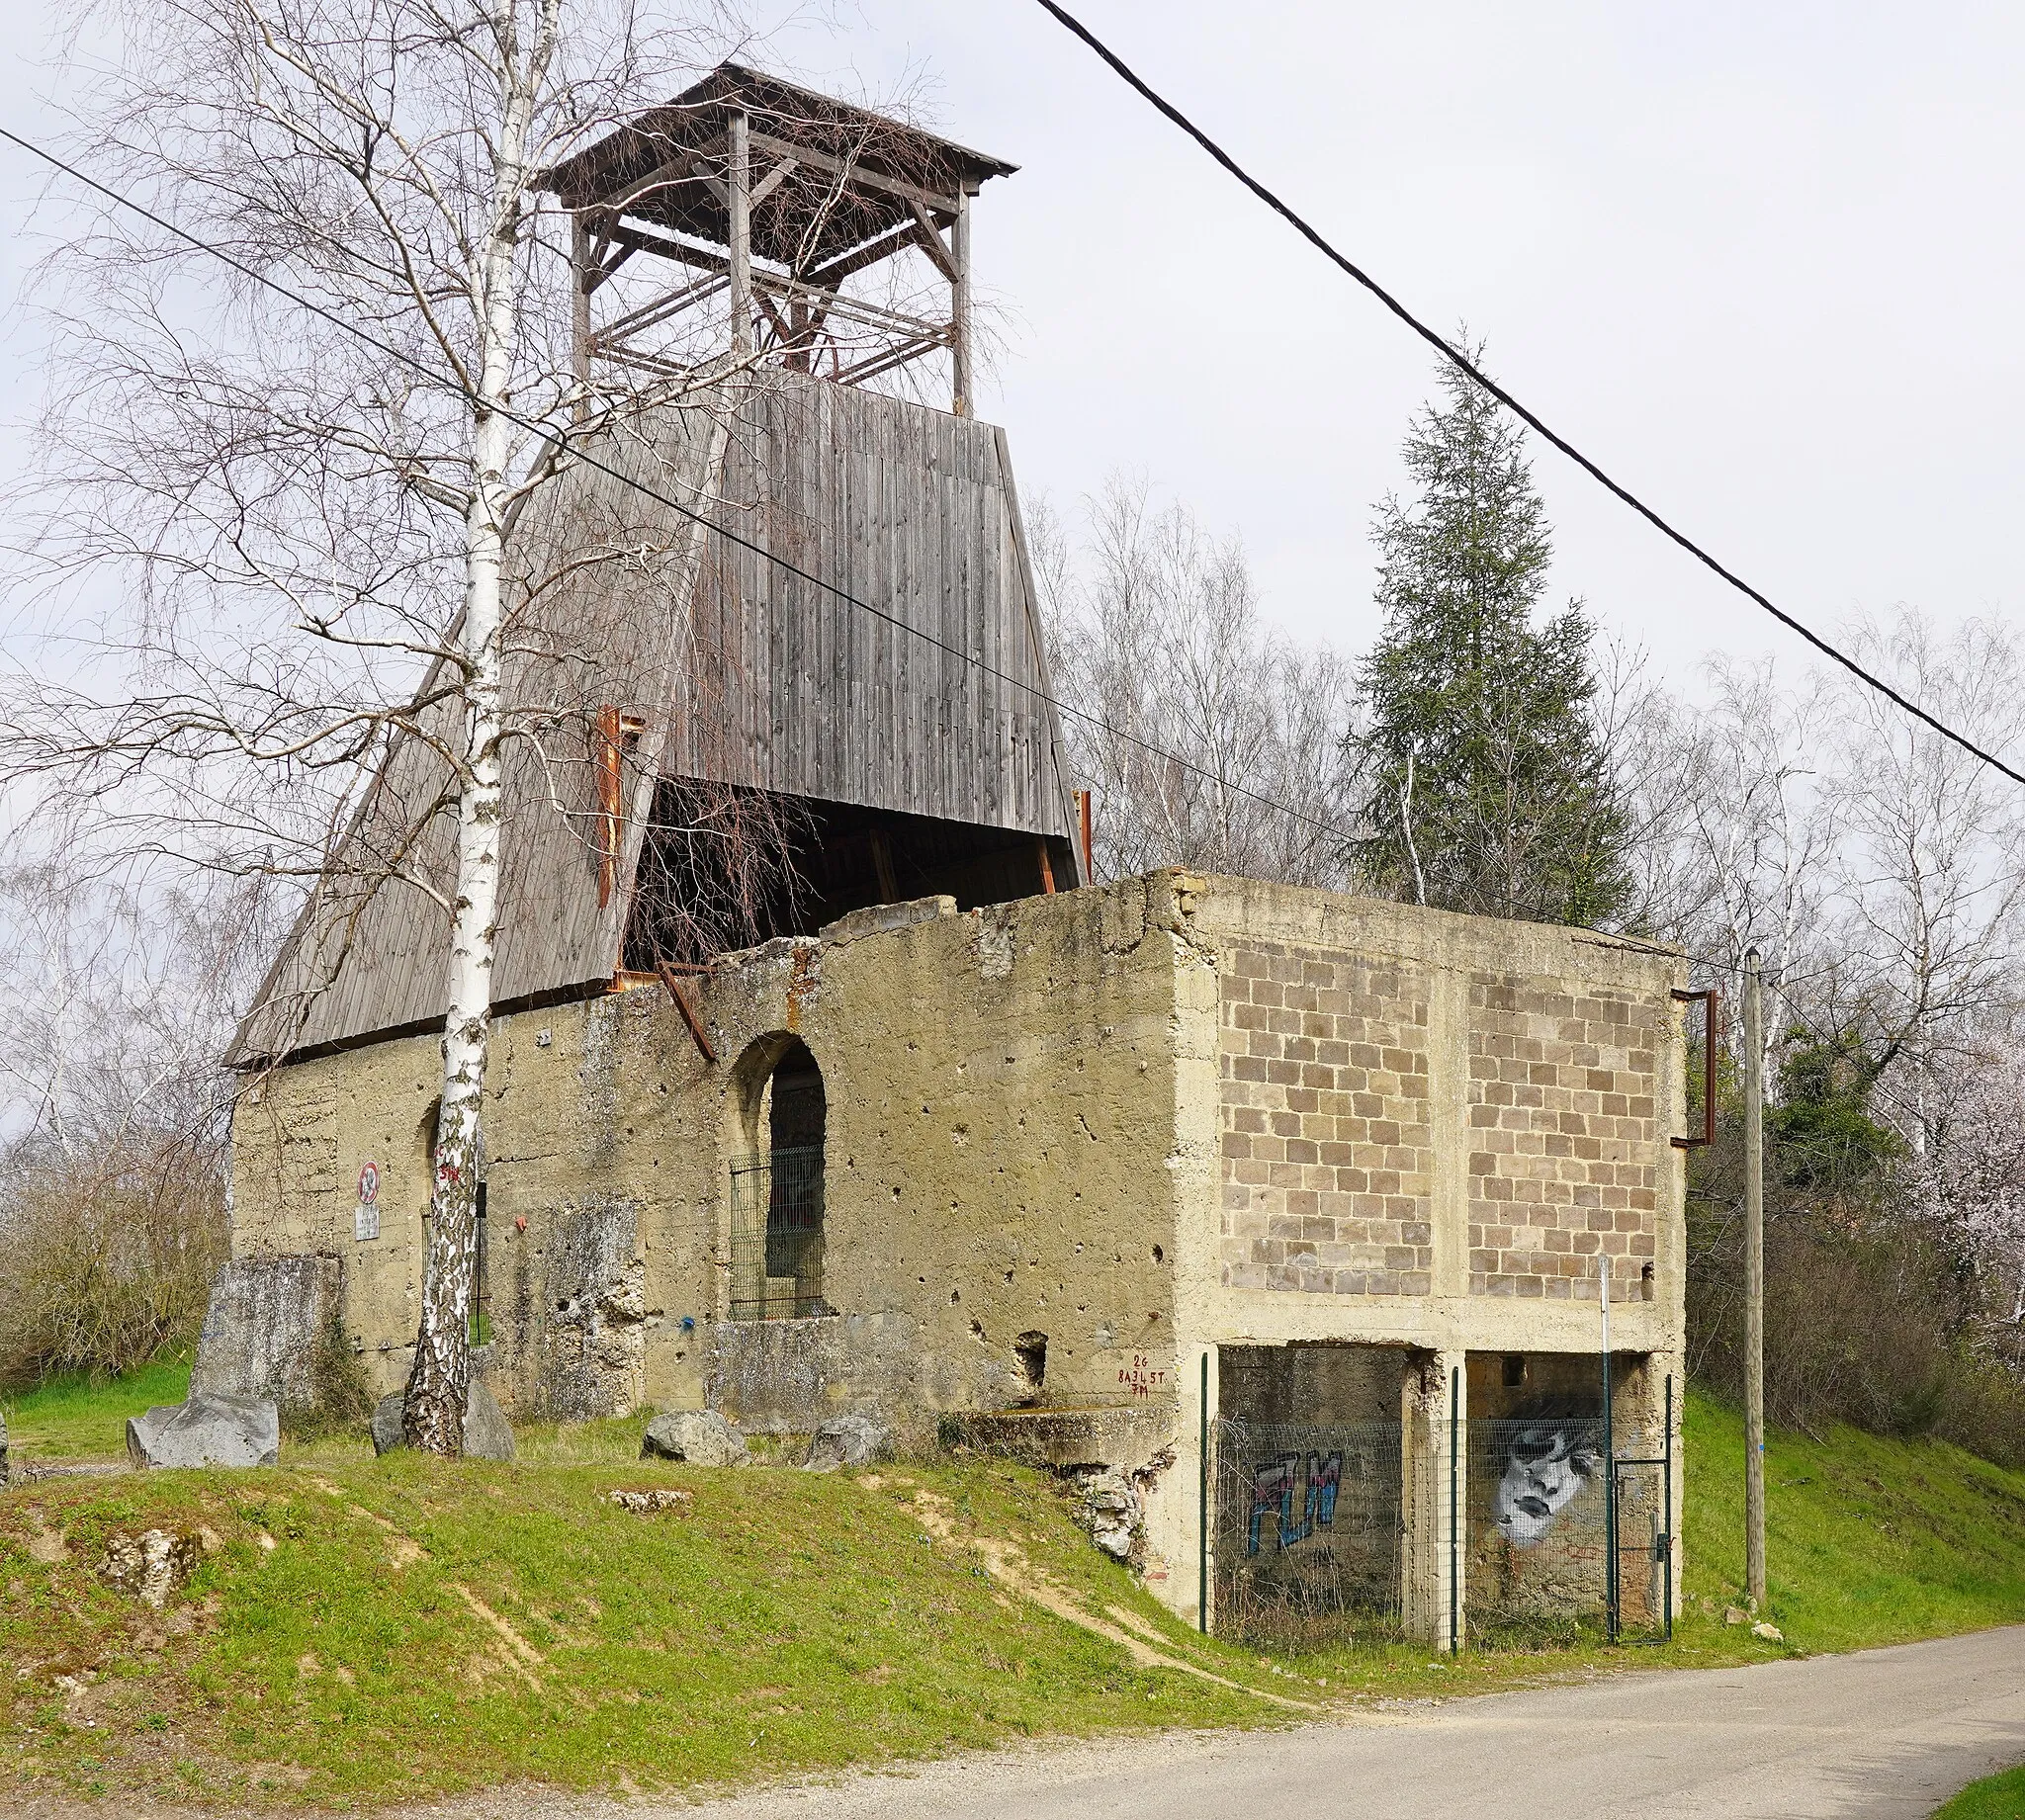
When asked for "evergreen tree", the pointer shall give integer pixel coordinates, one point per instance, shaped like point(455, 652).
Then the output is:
point(1486, 786)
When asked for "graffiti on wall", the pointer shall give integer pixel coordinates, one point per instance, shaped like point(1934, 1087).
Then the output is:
point(1307, 1482)
point(1552, 1448)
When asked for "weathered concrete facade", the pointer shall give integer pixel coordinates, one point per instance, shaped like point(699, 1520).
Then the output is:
point(1072, 1147)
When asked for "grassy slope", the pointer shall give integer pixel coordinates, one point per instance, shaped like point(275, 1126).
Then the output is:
point(782, 1622)
point(1868, 1540)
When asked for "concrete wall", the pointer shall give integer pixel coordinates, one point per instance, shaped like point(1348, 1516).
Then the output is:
point(1145, 1120)
point(1001, 1094)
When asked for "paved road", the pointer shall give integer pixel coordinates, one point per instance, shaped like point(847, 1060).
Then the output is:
point(1890, 1732)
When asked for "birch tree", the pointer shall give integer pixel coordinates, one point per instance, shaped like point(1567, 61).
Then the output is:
point(295, 542)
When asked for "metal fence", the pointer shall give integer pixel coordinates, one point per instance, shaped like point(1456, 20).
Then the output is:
point(1535, 1530)
point(1308, 1528)
point(777, 1233)
point(1308, 1531)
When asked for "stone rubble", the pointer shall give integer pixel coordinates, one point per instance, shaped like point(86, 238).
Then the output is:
point(847, 1441)
point(649, 1502)
point(702, 1438)
point(150, 1565)
point(206, 1431)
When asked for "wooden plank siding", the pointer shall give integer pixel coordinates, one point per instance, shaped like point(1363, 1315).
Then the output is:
point(744, 672)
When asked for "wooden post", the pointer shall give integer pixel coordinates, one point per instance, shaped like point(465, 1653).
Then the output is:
point(959, 304)
point(580, 312)
point(1082, 829)
point(1754, 1283)
point(739, 182)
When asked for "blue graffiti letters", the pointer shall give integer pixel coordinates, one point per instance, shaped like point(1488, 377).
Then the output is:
point(1274, 1484)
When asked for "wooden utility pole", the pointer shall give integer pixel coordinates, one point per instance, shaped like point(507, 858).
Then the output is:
point(1754, 1283)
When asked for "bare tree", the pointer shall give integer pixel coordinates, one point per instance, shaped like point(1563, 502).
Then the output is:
point(1206, 739)
point(321, 542)
point(1930, 884)
point(115, 1003)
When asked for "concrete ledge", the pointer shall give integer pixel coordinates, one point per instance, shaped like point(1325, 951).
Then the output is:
point(1063, 1439)
point(883, 918)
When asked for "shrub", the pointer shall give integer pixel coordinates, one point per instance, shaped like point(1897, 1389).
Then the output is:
point(107, 1252)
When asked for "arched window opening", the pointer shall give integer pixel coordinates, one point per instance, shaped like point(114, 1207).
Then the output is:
point(777, 1197)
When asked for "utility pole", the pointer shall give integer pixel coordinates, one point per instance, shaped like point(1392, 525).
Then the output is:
point(1754, 1283)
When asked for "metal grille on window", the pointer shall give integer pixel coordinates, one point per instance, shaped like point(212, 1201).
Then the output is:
point(777, 1233)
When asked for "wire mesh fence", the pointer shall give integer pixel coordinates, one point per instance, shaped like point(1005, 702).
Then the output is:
point(1312, 1528)
point(1535, 1530)
point(1308, 1528)
point(777, 1233)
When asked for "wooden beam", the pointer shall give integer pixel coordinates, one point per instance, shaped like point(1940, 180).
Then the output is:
point(894, 240)
point(642, 241)
point(691, 1015)
point(958, 271)
point(882, 864)
point(1047, 870)
point(683, 167)
point(738, 203)
point(855, 173)
point(929, 238)
point(772, 181)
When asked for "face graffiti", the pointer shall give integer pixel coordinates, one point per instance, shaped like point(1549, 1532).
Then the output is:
point(1550, 1457)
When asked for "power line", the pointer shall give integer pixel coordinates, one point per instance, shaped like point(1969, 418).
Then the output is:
point(556, 439)
point(1462, 362)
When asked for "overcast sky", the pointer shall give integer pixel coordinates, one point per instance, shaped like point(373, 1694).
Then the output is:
point(1761, 261)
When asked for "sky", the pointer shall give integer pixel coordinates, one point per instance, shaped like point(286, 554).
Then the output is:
point(1761, 262)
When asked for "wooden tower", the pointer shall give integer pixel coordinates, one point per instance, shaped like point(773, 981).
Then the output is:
point(831, 689)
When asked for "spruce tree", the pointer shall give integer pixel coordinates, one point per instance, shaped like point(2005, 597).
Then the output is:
point(1486, 786)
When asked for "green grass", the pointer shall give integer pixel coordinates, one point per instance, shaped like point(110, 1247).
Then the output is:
point(74, 1418)
point(1868, 1540)
point(367, 1631)
point(1996, 1797)
point(780, 1622)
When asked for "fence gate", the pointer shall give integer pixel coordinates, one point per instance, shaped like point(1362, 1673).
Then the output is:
point(1308, 1522)
point(1640, 1606)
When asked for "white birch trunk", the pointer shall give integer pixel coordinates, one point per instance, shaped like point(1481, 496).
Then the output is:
point(439, 1385)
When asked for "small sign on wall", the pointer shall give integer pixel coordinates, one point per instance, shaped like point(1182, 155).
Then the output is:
point(366, 1217)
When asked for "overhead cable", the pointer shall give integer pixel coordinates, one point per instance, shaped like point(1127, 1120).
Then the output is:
point(1461, 360)
point(559, 441)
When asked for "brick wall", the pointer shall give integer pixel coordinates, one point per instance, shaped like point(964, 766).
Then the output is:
point(1328, 1158)
point(1327, 1153)
point(1561, 1111)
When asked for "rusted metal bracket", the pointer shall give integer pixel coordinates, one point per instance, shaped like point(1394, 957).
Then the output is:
point(690, 1016)
point(617, 734)
point(1711, 1001)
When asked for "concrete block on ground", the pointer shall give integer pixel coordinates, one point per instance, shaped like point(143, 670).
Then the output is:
point(847, 1441)
point(206, 1431)
point(487, 1435)
point(702, 1438)
point(261, 1331)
